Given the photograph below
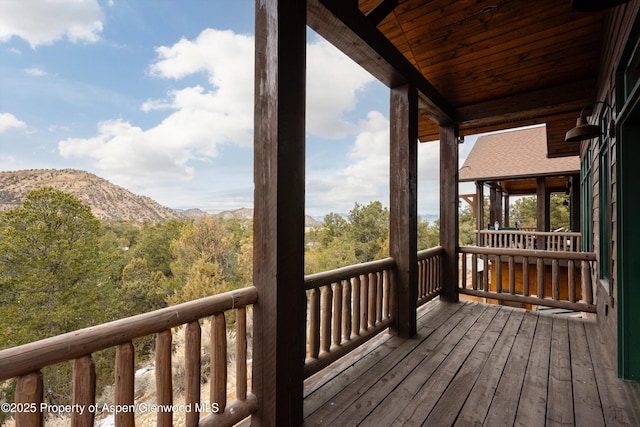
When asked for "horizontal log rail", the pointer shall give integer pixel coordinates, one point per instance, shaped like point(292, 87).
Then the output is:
point(346, 307)
point(25, 362)
point(523, 239)
point(537, 277)
point(429, 274)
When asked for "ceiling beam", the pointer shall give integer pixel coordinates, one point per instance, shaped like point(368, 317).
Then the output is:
point(381, 11)
point(544, 102)
point(348, 29)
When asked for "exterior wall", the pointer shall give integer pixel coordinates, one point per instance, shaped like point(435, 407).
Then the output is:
point(617, 27)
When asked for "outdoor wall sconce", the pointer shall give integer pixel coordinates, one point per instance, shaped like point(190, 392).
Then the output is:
point(584, 130)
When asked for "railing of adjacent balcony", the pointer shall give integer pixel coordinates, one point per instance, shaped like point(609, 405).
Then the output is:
point(544, 278)
point(429, 274)
point(525, 239)
point(26, 362)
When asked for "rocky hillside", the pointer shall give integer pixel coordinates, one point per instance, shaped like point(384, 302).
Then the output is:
point(247, 213)
point(108, 201)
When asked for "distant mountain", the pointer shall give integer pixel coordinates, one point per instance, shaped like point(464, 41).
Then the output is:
point(107, 201)
point(193, 213)
point(247, 213)
point(244, 213)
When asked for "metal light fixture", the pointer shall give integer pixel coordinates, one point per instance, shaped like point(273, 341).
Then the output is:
point(584, 130)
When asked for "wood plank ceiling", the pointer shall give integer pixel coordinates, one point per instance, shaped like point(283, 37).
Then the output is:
point(497, 63)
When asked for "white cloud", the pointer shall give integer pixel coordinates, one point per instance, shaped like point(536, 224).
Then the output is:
point(35, 72)
point(332, 89)
point(226, 58)
point(366, 178)
point(43, 22)
point(201, 120)
point(8, 121)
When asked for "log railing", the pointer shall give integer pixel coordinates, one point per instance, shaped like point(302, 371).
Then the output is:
point(347, 307)
point(521, 239)
point(429, 274)
point(26, 362)
point(546, 278)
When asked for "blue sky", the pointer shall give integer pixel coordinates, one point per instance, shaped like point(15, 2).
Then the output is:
point(157, 96)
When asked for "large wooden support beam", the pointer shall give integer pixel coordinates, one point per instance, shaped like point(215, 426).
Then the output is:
point(542, 210)
point(480, 225)
point(403, 215)
point(449, 211)
point(506, 199)
point(279, 178)
point(495, 205)
point(381, 11)
point(350, 30)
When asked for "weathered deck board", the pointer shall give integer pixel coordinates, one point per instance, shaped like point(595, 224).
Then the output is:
point(475, 364)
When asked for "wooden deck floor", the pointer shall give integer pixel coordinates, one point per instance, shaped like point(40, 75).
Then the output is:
point(476, 364)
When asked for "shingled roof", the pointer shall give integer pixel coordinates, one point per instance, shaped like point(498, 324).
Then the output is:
point(515, 154)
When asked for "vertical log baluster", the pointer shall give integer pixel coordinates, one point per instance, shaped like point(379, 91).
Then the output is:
point(84, 391)
point(571, 280)
point(325, 326)
point(474, 271)
point(587, 291)
point(485, 273)
point(241, 354)
point(314, 323)
point(371, 292)
point(355, 313)
point(421, 279)
point(463, 270)
point(379, 296)
point(193, 358)
point(346, 310)
point(336, 320)
point(525, 277)
point(386, 302)
point(30, 393)
point(164, 386)
point(219, 361)
point(555, 279)
point(125, 358)
point(498, 263)
point(364, 303)
point(512, 276)
point(540, 291)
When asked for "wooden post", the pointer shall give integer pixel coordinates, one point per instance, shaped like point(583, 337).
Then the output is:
point(403, 213)
point(495, 205)
point(480, 225)
point(449, 211)
point(541, 208)
point(124, 371)
point(164, 383)
point(279, 177)
point(192, 359)
point(506, 210)
point(30, 393)
point(84, 391)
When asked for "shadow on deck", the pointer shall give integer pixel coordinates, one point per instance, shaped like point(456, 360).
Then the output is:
point(475, 364)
